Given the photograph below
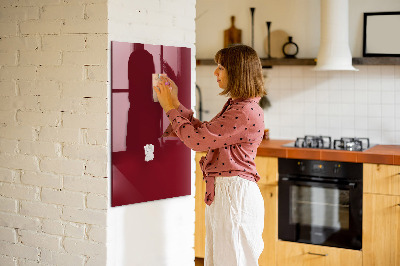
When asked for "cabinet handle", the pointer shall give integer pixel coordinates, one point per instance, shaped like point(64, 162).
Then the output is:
point(398, 204)
point(318, 254)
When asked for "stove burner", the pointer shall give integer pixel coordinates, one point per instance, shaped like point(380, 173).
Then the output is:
point(324, 142)
point(308, 141)
point(351, 144)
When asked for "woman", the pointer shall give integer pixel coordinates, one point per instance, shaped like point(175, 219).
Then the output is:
point(235, 207)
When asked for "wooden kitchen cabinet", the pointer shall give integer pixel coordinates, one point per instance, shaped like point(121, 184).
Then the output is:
point(200, 207)
point(381, 179)
point(267, 167)
point(381, 215)
point(381, 230)
point(298, 254)
point(270, 233)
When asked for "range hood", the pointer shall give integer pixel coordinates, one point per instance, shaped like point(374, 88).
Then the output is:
point(334, 51)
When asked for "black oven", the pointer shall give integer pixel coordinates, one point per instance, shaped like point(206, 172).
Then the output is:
point(320, 202)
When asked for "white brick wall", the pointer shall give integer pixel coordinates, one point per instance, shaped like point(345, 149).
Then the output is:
point(53, 121)
point(54, 79)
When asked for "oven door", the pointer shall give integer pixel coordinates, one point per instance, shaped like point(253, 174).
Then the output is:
point(321, 212)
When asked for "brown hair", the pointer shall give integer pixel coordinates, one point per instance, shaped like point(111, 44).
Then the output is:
point(245, 77)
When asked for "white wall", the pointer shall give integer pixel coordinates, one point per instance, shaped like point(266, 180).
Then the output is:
point(337, 104)
point(158, 232)
point(299, 18)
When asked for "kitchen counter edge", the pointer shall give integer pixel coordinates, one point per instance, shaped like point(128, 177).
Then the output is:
point(379, 154)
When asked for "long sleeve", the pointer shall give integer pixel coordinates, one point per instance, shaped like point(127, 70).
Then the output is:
point(188, 114)
point(222, 131)
point(231, 138)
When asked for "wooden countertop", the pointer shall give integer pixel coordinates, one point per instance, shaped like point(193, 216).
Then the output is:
point(379, 154)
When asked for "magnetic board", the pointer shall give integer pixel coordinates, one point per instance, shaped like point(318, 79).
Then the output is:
point(146, 166)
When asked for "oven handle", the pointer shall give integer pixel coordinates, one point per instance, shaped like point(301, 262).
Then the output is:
point(297, 181)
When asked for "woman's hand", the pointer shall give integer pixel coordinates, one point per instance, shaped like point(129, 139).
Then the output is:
point(164, 94)
point(174, 90)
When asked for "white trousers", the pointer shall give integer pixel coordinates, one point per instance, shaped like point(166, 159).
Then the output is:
point(234, 223)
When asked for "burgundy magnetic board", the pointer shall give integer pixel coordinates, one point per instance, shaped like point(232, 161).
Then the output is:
point(137, 121)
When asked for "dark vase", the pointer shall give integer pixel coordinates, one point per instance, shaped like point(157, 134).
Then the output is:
point(290, 49)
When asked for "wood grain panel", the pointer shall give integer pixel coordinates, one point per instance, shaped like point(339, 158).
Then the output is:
point(381, 179)
point(200, 207)
point(270, 233)
point(381, 230)
point(267, 168)
point(298, 254)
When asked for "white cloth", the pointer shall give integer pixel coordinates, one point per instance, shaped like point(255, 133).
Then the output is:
point(234, 223)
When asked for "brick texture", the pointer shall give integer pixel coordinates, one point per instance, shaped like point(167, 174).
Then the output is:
point(53, 121)
point(54, 80)
point(62, 258)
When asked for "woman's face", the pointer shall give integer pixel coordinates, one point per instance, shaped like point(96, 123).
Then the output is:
point(222, 76)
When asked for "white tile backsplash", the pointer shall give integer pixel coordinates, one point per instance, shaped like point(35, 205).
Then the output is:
point(387, 124)
point(374, 110)
point(397, 95)
point(374, 97)
point(348, 96)
point(388, 110)
point(374, 84)
point(387, 72)
point(388, 97)
point(397, 126)
point(364, 103)
point(361, 124)
point(388, 84)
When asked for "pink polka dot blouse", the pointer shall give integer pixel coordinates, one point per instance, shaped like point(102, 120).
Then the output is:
point(231, 139)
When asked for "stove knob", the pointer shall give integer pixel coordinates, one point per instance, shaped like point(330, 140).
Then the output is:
point(302, 167)
point(336, 169)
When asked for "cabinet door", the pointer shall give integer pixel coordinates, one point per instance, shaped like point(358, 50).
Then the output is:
point(381, 230)
point(200, 207)
point(381, 179)
point(297, 254)
point(270, 233)
point(267, 168)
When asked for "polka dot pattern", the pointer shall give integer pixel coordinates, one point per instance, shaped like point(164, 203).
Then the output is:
point(231, 139)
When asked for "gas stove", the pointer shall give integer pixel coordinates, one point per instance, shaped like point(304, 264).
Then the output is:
point(325, 142)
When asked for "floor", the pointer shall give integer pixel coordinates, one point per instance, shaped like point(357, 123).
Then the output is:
point(199, 262)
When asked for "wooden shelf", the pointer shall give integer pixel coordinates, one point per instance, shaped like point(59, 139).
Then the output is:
point(268, 62)
point(312, 61)
point(288, 62)
point(376, 61)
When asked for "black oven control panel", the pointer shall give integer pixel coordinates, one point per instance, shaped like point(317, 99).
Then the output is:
point(330, 169)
